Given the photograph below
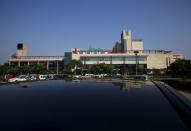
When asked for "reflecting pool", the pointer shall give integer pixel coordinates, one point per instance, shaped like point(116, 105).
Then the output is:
point(58, 105)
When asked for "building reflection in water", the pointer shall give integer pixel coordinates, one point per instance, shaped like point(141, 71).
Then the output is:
point(127, 86)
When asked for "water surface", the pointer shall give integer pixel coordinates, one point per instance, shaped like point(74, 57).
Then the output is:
point(59, 105)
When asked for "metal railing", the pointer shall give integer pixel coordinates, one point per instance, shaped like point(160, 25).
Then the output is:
point(126, 51)
point(38, 57)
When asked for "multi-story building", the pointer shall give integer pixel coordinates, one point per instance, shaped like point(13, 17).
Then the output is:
point(53, 63)
point(128, 54)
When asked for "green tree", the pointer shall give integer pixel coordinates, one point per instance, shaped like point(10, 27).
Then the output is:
point(105, 69)
point(4, 69)
point(181, 68)
point(26, 69)
point(14, 70)
point(101, 68)
point(94, 69)
point(74, 67)
point(39, 69)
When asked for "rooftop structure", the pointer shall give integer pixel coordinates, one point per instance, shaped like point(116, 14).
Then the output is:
point(52, 63)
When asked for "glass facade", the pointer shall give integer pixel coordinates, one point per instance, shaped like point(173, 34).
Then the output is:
point(140, 58)
point(68, 57)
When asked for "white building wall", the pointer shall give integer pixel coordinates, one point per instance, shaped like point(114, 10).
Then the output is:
point(137, 45)
point(22, 52)
point(154, 60)
point(157, 61)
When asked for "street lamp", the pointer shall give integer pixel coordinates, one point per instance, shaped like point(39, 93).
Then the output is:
point(136, 53)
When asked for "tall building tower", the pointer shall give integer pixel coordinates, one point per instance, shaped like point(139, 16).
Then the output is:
point(117, 48)
point(21, 50)
point(126, 40)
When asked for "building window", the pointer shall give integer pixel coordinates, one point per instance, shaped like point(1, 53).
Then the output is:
point(117, 59)
point(20, 46)
point(113, 59)
point(105, 59)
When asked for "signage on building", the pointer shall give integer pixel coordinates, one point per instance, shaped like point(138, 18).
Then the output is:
point(95, 49)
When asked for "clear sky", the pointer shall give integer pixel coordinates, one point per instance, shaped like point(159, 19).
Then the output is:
point(51, 27)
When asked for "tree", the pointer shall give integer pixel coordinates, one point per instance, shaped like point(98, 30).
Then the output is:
point(39, 69)
point(94, 69)
point(105, 69)
point(14, 70)
point(101, 68)
point(74, 67)
point(4, 69)
point(26, 69)
point(180, 67)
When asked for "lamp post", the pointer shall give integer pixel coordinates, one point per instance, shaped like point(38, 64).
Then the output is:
point(136, 53)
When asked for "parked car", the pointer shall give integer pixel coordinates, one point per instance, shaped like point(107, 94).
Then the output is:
point(77, 76)
point(31, 77)
point(43, 77)
point(7, 77)
point(18, 78)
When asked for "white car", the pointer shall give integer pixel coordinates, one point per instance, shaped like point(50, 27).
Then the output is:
point(77, 76)
point(18, 78)
point(42, 77)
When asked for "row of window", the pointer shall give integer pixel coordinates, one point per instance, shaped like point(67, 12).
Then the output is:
point(113, 59)
point(94, 52)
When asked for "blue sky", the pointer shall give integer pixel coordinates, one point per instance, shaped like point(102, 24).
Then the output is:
point(51, 27)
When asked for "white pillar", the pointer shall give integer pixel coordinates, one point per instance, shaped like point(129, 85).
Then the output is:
point(56, 67)
point(47, 65)
point(19, 63)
